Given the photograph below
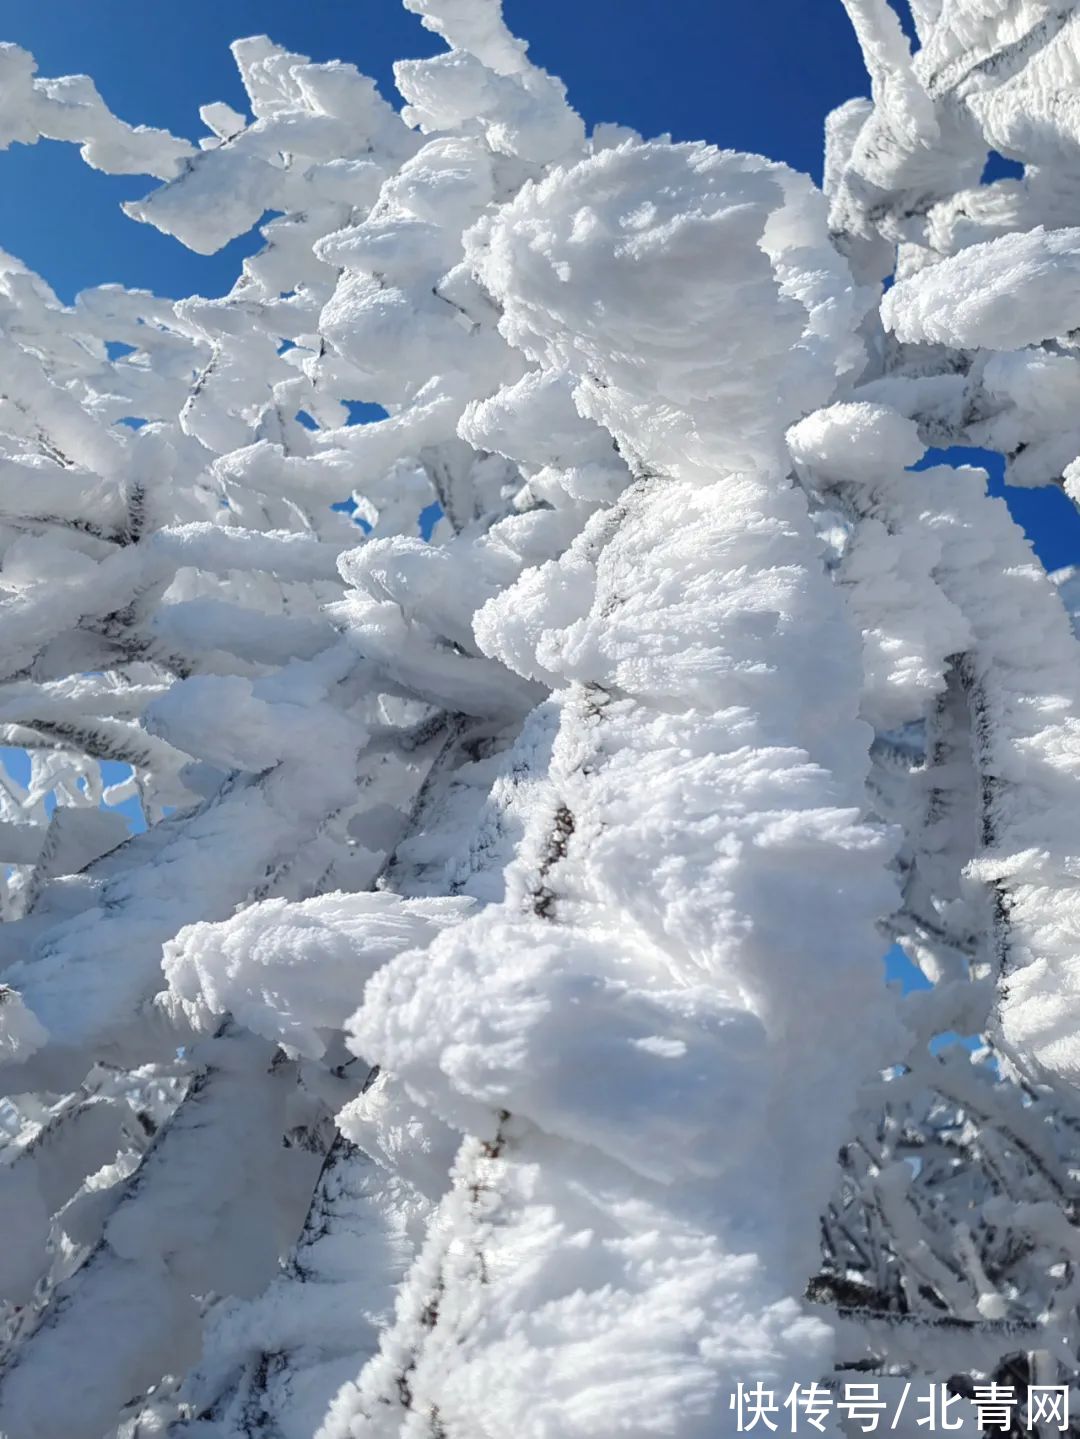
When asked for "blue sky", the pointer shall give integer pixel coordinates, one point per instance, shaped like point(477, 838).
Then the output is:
point(746, 76)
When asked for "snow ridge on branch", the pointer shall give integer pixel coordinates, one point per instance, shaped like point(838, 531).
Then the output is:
point(529, 779)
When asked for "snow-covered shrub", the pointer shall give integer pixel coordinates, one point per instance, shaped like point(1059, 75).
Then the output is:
point(466, 1045)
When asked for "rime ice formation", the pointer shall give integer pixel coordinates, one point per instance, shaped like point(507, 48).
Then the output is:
point(467, 1043)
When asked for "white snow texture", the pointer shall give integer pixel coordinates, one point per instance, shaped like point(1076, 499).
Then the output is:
point(466, 1044)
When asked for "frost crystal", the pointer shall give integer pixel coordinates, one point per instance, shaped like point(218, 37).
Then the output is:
point(484, 1033)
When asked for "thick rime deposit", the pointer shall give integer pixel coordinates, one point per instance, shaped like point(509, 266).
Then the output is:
point(484, 1036)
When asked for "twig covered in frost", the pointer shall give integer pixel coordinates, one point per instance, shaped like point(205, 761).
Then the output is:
point(551, 852)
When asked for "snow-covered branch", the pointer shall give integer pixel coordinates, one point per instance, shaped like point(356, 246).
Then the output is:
point(529, 779)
